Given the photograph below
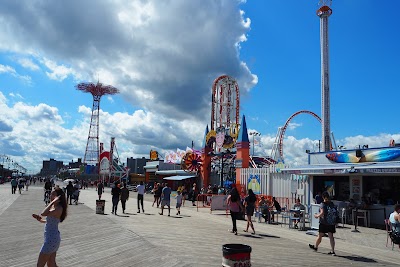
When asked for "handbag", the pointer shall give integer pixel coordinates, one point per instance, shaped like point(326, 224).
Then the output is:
point(395, 237)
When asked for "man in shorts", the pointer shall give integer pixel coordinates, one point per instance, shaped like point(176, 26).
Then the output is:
point(326, 225)
point(166, 199)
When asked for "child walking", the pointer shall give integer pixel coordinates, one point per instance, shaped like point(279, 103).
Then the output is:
point(178, 202)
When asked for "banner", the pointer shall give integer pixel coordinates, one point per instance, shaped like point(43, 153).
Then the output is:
point(174, 157)
point(254, 183)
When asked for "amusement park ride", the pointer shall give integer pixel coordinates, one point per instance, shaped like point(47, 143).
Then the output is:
point(226, 142)
point(110, 164)
point(92, 146)
point(227, 138)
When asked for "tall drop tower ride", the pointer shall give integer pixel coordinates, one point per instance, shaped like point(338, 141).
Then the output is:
point(97, 90)
point(323, 13)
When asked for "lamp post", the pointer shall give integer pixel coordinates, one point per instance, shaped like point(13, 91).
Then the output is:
point(254, 134)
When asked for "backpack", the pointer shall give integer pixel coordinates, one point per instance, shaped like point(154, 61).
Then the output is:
point(331, 214)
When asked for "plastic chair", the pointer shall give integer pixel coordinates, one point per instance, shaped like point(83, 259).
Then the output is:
point(343, 216)
point(257, 214)
point(362, 215)
point(284, 215)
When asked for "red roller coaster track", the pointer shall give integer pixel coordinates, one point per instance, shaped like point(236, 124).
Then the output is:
point(286, 125)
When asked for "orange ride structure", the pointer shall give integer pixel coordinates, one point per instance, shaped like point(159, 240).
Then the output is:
point(224, 141)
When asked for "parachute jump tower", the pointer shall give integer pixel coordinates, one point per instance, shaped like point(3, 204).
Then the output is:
point(97, 90)
point(323, 13)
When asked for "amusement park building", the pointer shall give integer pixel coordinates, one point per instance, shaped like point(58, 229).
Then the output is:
point(371, 175)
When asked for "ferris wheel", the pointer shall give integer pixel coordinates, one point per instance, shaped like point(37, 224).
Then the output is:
point(225, 112)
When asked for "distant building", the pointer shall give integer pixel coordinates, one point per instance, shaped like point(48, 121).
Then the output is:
point(136, 165)
point(76, 164)
point(51, 167)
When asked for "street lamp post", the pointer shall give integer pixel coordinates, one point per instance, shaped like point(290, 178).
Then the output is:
point(254, 134)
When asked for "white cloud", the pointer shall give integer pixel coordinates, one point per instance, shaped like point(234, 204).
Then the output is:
point(59, 72)
point(162, 55)
point(109, 98)
point(294, 125)
point(13, 72)
point(28, 63)
point(31, 134)
point(16, 95)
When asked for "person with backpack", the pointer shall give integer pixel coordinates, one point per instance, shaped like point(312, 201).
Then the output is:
point(327, 215)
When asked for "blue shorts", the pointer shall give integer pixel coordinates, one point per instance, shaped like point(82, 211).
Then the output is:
point(165, 202)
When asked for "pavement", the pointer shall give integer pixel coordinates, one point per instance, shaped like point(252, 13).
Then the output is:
point(194, 238)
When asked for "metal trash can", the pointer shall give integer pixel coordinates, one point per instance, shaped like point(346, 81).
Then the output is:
point(236, 255)
point(100, 206)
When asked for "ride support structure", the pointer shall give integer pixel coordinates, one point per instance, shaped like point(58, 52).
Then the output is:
point(92, 152)
point(323, 13)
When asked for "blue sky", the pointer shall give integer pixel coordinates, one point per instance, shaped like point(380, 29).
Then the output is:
point(164, 61)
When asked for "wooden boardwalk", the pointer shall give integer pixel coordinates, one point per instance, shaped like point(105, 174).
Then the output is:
point(193, 239)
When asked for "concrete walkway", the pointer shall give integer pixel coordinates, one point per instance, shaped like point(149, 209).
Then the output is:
point(193, 239)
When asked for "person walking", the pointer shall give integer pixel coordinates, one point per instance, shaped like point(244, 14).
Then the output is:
point(55, 213)
point(194, 194)
point(327, 223)
point(156, 196)
point(140, 195)
point(116, 193)
point(100, 189)
point(70, 191)
point(21, 184)
point(27, 184)
point(124, 197)
point(250, 205)
point(14, 185)
point(184, 194)
point(235, 206)
point(179, 198)
point(166, 199)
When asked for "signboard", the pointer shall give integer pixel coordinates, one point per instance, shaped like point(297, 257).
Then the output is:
point(254, 183)
point(219, 202)
point(314, 221)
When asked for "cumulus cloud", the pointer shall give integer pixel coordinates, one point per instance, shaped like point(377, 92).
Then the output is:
point(35, 133)
point(165, 51)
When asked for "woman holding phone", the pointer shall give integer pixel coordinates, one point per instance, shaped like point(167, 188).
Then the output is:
point(55, 213)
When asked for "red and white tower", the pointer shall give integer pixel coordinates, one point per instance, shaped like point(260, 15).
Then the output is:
point(323, 13)
point(92, 147)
